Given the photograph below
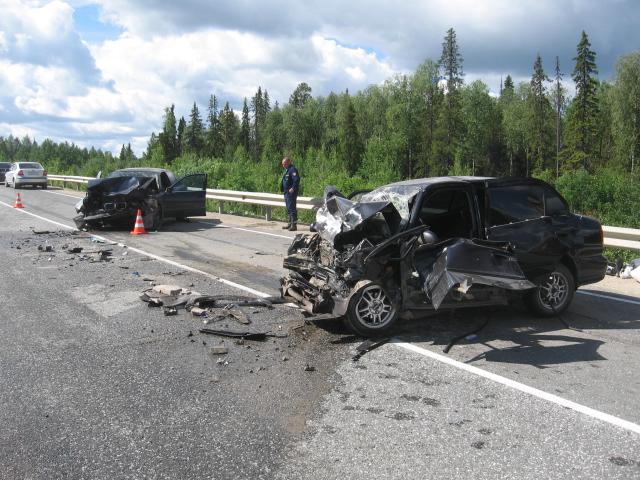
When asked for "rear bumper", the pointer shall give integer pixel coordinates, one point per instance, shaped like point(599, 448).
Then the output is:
point(31, 180)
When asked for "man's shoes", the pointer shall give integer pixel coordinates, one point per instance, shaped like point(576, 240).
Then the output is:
point(288, 225)
point(293, 227)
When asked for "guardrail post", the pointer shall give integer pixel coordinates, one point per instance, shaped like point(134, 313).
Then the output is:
point(220, 207)
point(267, 214)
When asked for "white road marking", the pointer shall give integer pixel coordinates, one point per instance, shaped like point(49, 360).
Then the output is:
point(151, 255)
point(605, 417)
point(608, 297)
point(246, 230)
point(549, 397)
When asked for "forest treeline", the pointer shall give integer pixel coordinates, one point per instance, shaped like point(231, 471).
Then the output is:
point(427, 123)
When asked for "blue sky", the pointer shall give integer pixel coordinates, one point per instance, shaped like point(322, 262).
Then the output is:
point(100, 72)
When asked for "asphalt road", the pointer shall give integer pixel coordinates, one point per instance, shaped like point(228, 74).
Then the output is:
point(93, 384)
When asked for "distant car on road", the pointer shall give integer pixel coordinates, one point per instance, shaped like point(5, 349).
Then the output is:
point(4, 167)
point(115, 199)
point(21, 174)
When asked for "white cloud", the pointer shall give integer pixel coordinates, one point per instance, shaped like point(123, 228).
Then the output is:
point(53, 84)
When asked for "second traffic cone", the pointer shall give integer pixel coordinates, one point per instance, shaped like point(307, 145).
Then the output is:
point(18, 203)
point(138, 228)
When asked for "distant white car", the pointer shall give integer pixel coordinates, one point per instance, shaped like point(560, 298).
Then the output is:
point(26, 173)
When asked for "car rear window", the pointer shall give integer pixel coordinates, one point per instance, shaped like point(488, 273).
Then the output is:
point(30, 165)
point(5, 166)
point(515, 203)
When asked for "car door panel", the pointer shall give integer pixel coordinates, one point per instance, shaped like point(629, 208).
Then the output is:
point(516, 214)
point(186, 197)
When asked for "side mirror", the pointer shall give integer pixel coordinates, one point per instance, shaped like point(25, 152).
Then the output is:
point(428, 237)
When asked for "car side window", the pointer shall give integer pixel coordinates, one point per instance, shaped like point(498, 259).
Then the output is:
point(191, 183)
point(554, 203)
point(515, 203)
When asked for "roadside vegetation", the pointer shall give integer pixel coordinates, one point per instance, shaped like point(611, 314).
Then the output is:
point(427, 123)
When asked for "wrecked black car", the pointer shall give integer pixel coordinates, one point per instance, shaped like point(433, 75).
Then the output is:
point(114, 200)
point(442, 243)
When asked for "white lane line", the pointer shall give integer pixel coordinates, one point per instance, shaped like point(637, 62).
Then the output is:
point(549, 397)
point(408, 346)
point(246, 230)
point(608, 297)
point(154, 256)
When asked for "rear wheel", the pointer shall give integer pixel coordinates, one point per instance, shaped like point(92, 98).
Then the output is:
point(371, 311)
point(555, 293)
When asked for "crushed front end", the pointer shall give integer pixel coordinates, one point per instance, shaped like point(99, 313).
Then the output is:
point(114, 201)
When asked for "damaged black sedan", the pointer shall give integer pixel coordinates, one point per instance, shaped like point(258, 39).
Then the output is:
point(115, 199)
point(442, 243)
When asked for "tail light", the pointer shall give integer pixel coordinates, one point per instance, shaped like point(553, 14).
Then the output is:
point(20, 173)
point(44, 173)
point(601, 236)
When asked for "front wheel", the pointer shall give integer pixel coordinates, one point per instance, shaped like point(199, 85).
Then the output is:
point(371, 311)
point(554, 294)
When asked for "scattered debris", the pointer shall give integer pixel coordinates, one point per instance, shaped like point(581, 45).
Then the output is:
point(170, 311)
point(74, 250)
point(168, 289)
point(367, 346)
point(198, 312)
point(309, 368)
point(245, 334)
point(219, 350)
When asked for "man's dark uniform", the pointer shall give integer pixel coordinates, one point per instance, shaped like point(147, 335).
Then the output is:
point(291, 180)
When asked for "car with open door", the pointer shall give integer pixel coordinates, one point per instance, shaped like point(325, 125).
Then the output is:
point(442, 243)
point(115, 199)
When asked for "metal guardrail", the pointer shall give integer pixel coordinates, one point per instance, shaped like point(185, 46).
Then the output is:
point(267, 200)
point(617, 237)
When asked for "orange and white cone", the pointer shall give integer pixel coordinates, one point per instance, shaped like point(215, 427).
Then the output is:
point(138, 228)
point(18, 203)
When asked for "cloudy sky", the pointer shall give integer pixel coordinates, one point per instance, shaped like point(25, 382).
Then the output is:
point(101, 72)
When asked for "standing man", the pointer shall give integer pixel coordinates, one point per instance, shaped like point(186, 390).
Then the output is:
point(290, 185)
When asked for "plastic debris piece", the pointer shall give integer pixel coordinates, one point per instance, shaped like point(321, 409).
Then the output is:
point(367, 346)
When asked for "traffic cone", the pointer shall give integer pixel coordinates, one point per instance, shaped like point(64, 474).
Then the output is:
point(18, 203)
point(138, 228)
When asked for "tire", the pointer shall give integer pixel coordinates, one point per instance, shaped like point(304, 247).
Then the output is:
point(555, 293)
point(371, 311)
point(44, 187)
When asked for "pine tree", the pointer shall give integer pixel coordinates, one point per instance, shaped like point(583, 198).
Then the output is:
point(244, 127)
point(168, 136)
point(214, 142)
point(559, 100)
point(350, 144)
point(182, 126)
point(508, 89)
point(585, 103)
point(194, 132)
point(450, 127)
point(539, 110)
point(229, 129)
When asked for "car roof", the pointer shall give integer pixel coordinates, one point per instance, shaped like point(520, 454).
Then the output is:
point(420, 182)
point(143, 169)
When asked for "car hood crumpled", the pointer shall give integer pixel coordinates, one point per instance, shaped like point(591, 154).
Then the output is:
point(339, 215)
point(118, 185)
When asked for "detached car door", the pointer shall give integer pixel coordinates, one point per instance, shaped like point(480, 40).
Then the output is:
point(186, 197)
point(515, 213)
